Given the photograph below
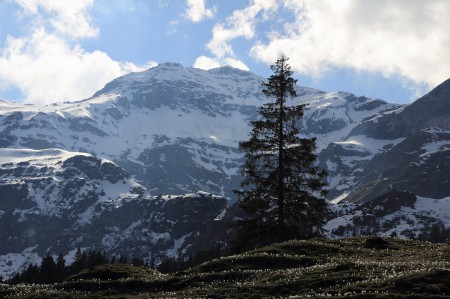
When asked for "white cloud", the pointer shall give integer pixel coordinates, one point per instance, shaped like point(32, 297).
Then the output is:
point(241, 24)
point(196, 11)
point(236, 63)
point(128, 67)
point(405, 38)
point(171, 27)
point(206, 63)
point(66, 17)
point(49, 65)
point(46, 69)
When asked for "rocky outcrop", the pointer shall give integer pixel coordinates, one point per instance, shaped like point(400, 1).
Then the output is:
point(396, 214)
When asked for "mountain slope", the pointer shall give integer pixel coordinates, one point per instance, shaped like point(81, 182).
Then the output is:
point(430, 111)
point(397, 213)
point(55, 201)
point(420, 163)
point(171, 118)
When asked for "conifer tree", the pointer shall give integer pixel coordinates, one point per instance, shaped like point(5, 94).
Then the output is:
point(79, 263)
point(123, 259)
point(282, 187)
point(47, 269)
point(60, 268)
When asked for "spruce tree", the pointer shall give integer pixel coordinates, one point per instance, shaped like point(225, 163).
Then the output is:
point(60, 268)
point(282, 187)
point(47, 269)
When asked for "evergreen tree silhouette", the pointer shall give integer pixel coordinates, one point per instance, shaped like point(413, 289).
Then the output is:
point(282, 188)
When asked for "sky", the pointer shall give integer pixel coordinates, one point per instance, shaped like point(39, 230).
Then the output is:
point(66, 50)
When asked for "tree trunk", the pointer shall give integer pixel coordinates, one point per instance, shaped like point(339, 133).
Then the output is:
point(281, 214)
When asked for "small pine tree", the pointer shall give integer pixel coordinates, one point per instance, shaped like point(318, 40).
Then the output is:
point(152, 261)
point(137, 262)
point(123, 259)
point(91, 260)
point(282, 188)
point(47, 269)
point(60, 268)
point(102, 259)
point(79, 262)
point(31, 274)
point(437, 233)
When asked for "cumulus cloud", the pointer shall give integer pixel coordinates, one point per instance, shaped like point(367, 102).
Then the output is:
point(241, 24)
point(206, 63)
point(406, 39)
point(129, 67)
point(66, 17)
point(236, 63)
point(409, 39)
point(197, 11)
point(48, 64)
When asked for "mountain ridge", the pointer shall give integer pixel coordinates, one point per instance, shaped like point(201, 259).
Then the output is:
point(133, 121)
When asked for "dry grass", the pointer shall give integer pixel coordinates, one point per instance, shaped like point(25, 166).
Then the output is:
point(351, 268)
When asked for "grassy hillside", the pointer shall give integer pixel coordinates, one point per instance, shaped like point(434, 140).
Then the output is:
point(350, 268)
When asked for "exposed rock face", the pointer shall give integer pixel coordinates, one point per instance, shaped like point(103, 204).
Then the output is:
point(396, 213)
point(430, 111)
point(419, 164)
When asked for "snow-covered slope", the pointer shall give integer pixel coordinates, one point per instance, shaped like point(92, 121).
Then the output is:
point(175, 129)
point(54, 201)
point(55, 182)
point(397, 214)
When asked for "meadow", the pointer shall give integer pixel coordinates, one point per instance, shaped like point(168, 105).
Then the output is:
point(361, 267)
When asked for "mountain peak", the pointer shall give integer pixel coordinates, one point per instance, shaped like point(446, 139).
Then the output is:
point(441, 89)
point(433, 108)
point(228, 70)
point(170, 65)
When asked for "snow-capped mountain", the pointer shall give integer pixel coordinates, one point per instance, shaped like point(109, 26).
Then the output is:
point(96, 173)
point(176, 129)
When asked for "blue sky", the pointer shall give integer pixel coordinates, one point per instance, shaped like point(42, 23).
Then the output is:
point(58, 50)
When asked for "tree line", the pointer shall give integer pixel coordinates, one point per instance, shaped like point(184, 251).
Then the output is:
point(53, 271)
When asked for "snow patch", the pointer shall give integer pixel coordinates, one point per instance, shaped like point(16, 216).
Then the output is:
point(12, 263)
